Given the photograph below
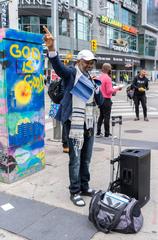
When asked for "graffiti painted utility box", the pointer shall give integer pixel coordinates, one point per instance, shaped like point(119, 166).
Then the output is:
point(21, 104)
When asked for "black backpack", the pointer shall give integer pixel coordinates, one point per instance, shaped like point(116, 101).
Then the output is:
point(56, 91)
point(114, 211)
point(130, 92)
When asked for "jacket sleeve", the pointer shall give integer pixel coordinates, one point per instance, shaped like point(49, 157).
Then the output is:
point(61, 70)
point(147, 84)
point(134, 84)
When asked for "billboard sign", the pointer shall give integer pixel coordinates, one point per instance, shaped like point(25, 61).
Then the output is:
point(110, 21)
point(152, 13)
point(35, 2)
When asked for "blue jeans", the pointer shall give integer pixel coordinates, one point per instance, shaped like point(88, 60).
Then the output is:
point(79, 163)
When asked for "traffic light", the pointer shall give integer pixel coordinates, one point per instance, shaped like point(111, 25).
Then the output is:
point(69, 56)
point(66, 61)
point(94, 45)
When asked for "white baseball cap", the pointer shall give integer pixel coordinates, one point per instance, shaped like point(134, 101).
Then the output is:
point(86, 55)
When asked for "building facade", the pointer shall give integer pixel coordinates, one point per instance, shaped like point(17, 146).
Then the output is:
point(148, 36)
point(116, 31)
point(120, 32)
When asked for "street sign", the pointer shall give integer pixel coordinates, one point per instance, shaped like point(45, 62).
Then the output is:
point(4, 13)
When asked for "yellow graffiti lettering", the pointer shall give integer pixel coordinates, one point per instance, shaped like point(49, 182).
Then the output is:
point(35, 53)
point(41, 83)
point(27, 67)
point(14, 51)
point(26, 52)
point(35, 82)
point(26, 77)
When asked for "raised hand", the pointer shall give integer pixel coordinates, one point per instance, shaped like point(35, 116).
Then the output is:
point(49, 39)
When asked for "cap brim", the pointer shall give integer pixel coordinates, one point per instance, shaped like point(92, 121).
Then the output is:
point(89, 59)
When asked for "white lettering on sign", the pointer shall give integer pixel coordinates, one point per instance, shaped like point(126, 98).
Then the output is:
point(130, 5)
point(117, 59)
point(127, 60)
point(120, 48)
point(35, 2)
point(63, 5)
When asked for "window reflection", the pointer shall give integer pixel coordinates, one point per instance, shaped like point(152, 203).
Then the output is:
point(147, 45)
point(34, 23)
point(85, 4)
point(64, 27)
point(82, 27)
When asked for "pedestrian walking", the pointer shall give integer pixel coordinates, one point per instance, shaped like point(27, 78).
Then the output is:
point(77, 109)
point(107, 91)
point(140, 85)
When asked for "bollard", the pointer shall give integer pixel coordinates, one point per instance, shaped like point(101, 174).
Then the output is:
point(56, 130)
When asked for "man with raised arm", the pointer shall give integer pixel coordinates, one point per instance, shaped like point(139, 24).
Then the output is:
point(81, 92)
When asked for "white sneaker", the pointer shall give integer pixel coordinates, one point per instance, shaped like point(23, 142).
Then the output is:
point(99, 135)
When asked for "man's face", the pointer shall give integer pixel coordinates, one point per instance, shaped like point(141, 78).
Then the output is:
point(143, 73)
point(86, 66)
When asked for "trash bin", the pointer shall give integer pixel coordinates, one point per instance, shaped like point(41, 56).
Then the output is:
point(21, 104)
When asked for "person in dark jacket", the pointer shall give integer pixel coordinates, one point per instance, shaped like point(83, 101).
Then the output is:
point(140, 85)
point(76, 109)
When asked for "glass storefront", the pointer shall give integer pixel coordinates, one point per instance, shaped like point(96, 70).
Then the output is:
point(113, 33)
point(147, 45)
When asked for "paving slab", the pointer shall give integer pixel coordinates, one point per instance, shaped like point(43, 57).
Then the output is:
point(39, 221)
point(24, 212)
point(61, 224)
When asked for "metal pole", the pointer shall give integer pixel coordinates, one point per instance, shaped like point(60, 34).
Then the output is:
point(155, 60)
point(13, 14)
point(55, 20)
point(55, 30)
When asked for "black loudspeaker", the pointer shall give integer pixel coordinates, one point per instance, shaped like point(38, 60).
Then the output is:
point(135, 174)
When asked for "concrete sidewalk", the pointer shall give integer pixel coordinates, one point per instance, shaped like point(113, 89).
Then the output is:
point(51, 184)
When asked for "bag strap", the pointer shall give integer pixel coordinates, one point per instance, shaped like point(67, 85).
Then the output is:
point(94, 203)
point(114, 223)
